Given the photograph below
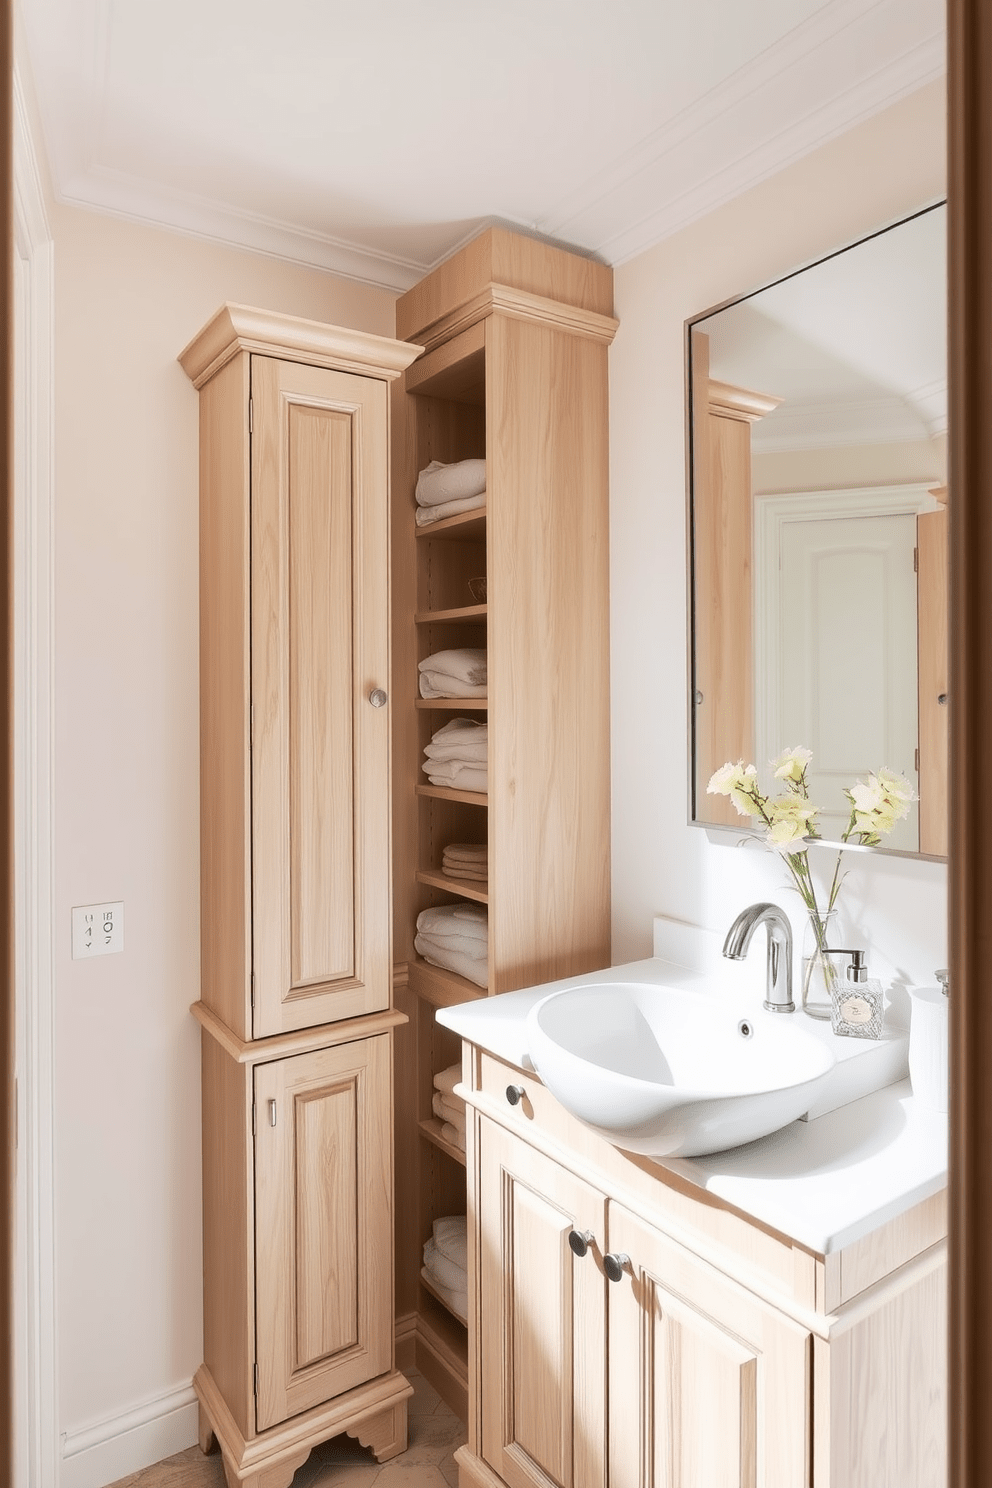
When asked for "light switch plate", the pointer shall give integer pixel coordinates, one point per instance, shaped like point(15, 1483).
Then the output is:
point(97, 929)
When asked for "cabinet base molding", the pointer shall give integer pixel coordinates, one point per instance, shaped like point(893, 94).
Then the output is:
point(375, 1413)
point(420, 1346)
point(474, 1473)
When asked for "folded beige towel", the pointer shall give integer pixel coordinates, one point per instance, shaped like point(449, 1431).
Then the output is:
point(438, 482)
point(445, 1080)
point(448, 1108)
point(441, 1269)
point(468, 875)
point(454, 1134)
point(460, 672)
point(467, 852)
point(428, 514)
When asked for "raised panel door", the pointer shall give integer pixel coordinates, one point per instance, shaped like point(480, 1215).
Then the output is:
point(323, 1234)
point(542, 1320)
point(707, 1384)
point(320, 751)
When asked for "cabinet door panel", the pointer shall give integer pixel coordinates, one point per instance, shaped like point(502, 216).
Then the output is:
point(708, 1385)
point(320, 765)
point(543, 1320)
point(323, 1243)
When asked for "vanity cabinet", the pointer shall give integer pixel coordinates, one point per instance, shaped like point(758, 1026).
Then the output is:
point(688, 1345)
point(296, 965)
point(672, 1365)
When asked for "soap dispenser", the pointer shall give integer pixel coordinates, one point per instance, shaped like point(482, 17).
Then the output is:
point(857, 1004)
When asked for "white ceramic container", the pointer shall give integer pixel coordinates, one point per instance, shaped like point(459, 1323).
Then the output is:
point(928, 1059)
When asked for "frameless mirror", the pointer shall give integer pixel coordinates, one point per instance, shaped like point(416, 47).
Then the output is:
point(818, 520)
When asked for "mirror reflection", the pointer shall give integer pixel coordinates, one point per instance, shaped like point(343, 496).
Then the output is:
point(818, 411)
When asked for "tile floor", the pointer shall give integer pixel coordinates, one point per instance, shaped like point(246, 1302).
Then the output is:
point(428, 1461)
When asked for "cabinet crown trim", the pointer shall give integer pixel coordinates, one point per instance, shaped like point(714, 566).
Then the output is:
point(237, 328)
point(521, 305)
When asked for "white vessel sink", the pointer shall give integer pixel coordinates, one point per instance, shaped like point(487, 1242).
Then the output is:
point(664, 1072)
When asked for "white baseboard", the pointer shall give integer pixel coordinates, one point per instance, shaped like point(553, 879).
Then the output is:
point(99, 1454)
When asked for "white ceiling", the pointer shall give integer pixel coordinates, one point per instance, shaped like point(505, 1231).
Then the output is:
point(371, 137)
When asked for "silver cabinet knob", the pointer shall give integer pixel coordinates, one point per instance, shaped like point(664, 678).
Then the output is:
point(614, 1266)
point(378, 698)
point(515, 1094)
point(579, 1241)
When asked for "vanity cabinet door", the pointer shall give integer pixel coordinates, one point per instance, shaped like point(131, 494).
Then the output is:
point(542, 1338)
point(707, 1384)
point(323, 1235)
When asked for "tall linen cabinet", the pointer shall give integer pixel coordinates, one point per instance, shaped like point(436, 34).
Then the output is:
point(515, 371)
point(296, 967)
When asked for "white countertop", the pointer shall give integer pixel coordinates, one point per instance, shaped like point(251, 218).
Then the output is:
point(823, 1183)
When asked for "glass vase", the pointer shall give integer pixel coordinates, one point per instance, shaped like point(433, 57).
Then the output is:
point(821, 966)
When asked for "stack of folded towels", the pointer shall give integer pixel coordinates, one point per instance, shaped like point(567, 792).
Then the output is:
point(446, 490)
point(456, 937)
point(446, 1263)
point(449, 1107)
point(469, 860)
point(457, 755)
point(459, 673)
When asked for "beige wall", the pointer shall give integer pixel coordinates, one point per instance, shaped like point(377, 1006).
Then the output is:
point(128, 299)
point(871, 176)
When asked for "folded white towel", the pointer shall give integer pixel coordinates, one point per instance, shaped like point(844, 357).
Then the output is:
point(475, 753)
point(467, 731)
point(439, 482)
point(441, 1269)
point(457, 673)
point(456, 1301)
point(457, 776)
point(464, 945)
point(450, 1233)
point(428, 514)
point(445, 1080)
point(454, 1134)
point(476, 971)
point(448, 1108)
point(455, 919)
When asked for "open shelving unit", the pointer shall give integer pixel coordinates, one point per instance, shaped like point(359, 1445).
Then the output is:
point(515, 371)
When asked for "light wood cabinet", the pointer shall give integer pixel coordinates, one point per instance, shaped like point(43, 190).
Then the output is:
point(688, 1345)
point(296, 962)
point(515, 371)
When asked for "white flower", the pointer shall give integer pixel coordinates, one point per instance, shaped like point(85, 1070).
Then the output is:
point(791, 763)
point(740, 783)
point(879, 802)
point(792, 819)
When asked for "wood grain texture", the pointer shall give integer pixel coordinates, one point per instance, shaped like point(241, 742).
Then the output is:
point(723, 605)
point(934, 679)
point(501, 257)
point(225, 697)
point(301, 1041)
point(323, 1225)
point(969, 32)
point(228, 1244)
point(548, 587)
point(320, 816)
point(543, 1317)
point(706, 1383)
point(236, 329)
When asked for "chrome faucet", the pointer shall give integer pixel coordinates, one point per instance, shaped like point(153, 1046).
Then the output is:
point(778, 988)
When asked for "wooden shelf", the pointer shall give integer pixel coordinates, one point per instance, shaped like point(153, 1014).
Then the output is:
point(468, 888)
point(467, 526)
point(445, 793)
point(439, 987)
point(466, 612)
point(452, 705)
point(438, 1298)
point(432, 1131)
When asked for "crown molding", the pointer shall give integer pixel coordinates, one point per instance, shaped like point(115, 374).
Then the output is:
point(676, 166)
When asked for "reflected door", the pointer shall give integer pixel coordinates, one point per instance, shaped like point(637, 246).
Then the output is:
point(837, 648)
